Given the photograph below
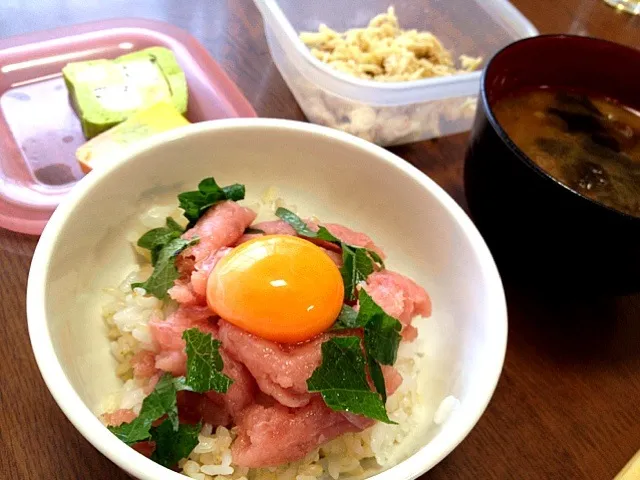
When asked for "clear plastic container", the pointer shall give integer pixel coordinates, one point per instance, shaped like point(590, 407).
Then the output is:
point(389, 113)
point(40, 132)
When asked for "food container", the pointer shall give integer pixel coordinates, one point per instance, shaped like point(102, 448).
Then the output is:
point(40, 132)
point(389, 113)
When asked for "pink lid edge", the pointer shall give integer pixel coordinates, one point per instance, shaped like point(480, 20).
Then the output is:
point(223, 98)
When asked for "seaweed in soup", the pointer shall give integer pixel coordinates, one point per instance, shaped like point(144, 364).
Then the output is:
point(589, 143)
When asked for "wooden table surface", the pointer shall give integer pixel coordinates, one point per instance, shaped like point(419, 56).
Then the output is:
point(568, 402)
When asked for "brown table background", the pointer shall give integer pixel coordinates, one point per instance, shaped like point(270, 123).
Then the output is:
point(568, 402)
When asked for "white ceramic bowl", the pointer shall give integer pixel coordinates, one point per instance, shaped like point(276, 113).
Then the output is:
point(333, 175)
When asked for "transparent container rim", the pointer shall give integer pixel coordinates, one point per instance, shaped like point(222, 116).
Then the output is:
point(368, 90)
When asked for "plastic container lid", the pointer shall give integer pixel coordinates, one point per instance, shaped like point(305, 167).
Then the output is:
point(474, 27)
point(40, 132)
point(389, 113)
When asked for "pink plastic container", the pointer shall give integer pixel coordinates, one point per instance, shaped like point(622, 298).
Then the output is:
point(39, 131)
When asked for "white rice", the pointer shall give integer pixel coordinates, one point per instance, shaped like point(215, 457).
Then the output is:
point(352, 455)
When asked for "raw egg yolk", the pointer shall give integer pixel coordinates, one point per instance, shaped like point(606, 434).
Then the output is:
point(278, 287)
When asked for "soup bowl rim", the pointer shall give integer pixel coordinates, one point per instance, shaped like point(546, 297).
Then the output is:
point(487, 107)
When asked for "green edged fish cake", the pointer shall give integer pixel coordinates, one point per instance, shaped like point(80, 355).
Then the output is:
point(105, 93)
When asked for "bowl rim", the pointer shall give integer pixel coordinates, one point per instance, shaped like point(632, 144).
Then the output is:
point(136, 464)
point(511, 145)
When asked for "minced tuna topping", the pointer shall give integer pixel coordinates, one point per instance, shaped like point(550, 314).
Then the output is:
point(211, 396)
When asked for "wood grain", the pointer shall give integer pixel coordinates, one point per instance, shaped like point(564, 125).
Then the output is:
point(567, 404)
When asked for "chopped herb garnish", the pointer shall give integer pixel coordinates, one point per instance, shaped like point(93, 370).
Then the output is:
point(303, 229)
point(358, 262)
point(165, 243)
point(204, 363)
point(348, 318)
point(357, 265)
point(155, 240)
point(341, 379)
point(196, 203)
point(173, 445)
point(377, 377)
point(381, 331)
point(233, 192)
point(175, 441)
point(382, 338)
point(376, 258)
point(161, 402)
point(381, 335)
point(165, 271)
point(174, 226)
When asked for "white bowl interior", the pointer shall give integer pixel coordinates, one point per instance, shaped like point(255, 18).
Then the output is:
point(328, 174)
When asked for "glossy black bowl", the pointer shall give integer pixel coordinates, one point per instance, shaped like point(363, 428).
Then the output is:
point(540, 231)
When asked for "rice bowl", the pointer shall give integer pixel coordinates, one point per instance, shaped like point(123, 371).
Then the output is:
point(104, 244)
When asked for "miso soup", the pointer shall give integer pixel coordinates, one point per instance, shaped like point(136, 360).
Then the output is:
point(589, 143)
